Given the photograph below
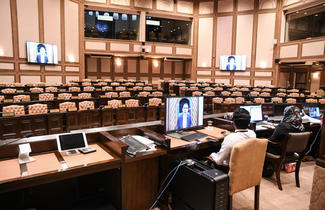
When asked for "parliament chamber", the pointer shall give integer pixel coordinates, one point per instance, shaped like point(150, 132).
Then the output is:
point(162, 104)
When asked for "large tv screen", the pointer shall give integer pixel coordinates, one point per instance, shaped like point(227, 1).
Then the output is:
point(233, 62)
point(42, 53)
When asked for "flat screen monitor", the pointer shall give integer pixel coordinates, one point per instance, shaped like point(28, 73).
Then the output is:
point(314, 112)
point(183, 113)
point(71, 141)
point(42, 53)
point(233, 62)
point(255, 111)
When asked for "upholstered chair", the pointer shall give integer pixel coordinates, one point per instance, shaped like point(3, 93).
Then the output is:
point(18, 110)
point(114, 103)
point(115, 84)
point(111, 94)
point(102, 83)
point(259, 100)
point(19, 98)
point(51, 89)
point(311, 101)
point(217, 100)
point(210, 93)
point(107, 80)
point(65, 96)
point(265, 94)
point(84, 95)
point(120, 88)
point(132, 103)
point(125, 94)
point(46, 97)
point(89, 88)
point(8, 90)
point(277, 100)
point(291, 101)
point(36, 90)
point(86, 80)
point(257, 89)
point(281, 94)
point(2, 98)
point(86, 84)
point(143, 94)
point(157, 94)
point(107, 88)
point(66, 105)
point(147, 88)
point(196, 93)
point(293, 95)
point(208, 88)
point(155, 101)
point(139, 84)
point(193, 88)
point(225, 93)
point(37, 109)
point(74, 89)
point(254, 93)
point(237, 93)
point(267, 90)
point(85, 105)
point(246, 166)
point(229, 101)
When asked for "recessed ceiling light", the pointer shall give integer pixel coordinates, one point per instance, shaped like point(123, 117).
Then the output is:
point(316, 15)
point(305, 13)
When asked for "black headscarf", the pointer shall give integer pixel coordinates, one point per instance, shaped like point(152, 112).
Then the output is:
point(291, 116)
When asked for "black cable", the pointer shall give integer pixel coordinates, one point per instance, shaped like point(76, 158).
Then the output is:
point(315, 139)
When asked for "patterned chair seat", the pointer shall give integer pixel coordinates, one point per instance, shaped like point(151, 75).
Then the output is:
point(194, 88)
point(196, 93)
point(208, 88)
point(210, 93)
point(267, 90)
point(66, 105)
point(259, 100)
point(74, 89)
point(218, 89)
point(225, 93)
point(102, 83)
point(107, 80)
point(157, 94)
point(254, 93)
point(139, 84)
point(229, 101)
point(107, 88)
point(237, 93)
point(86, 80)
point(291, 100)
point(147, 88)
point(37, 109)
point(322, 101)
point(293, 91)
point(257, 89)
point(311, 101)
point(282, 90)
point(18, 110)
point(36, 90)
point(277, 99)
point(265, 94)
point(239, 100)
point(120, 88)
point(293, 95)
point(85, 105)
point(143, 94)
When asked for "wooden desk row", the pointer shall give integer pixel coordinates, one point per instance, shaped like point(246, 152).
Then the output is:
point(51, 123)
point(132, 182)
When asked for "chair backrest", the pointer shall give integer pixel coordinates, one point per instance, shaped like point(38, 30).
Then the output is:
point(8, 90)
point(51, 89)
point(155, 101)
point(144, 94)
point(196, 93)
point(217, 100)
point(157, 93)
point(19, 98)
point(246, 164)
point(132, 103)
point(84, 105)
point(46, 97)
point(66, 105)
point(120, 88)
point(66, 96)
point(74, 89)
point(37, 109)
point(89, 88)
point(114, 103)
point(84, 95)
point(36, 90)
point(125, 94)
point(111, 94)
point(297, 142)
point(18, 110)
point(106, 88)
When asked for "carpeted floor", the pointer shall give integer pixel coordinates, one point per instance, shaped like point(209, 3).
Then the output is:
point(271, 198)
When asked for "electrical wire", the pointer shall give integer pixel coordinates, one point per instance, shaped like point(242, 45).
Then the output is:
point(315, 139)
point(161, 193)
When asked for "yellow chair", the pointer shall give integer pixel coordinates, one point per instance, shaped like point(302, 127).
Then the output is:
point(245, 169)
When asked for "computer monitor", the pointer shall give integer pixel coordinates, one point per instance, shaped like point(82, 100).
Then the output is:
point(314, 112)
point(183, 113)
point(71, 142)
point(255, 112)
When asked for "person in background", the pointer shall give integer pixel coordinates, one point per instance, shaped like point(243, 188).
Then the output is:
point(231, 63)
point(291, 123)
point(41, 54)
point(241, 121)
point(184, 118)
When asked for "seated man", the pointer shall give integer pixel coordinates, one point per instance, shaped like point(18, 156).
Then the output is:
point(241, 120)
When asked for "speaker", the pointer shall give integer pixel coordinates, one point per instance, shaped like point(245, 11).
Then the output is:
point(277, 60)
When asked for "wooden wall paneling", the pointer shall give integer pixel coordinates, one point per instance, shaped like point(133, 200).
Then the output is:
point(125, 67)
point(62, 14)
point(254, 43)
point(6, 39)
point(82, 69)
point(99, 68)
point(15, 40)
point(41, 32)
point(195, 40)
point(277, 36)
point(150, 70)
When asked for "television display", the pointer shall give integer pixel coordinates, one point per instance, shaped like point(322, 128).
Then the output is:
point(42, 53)
point(233, 62)
point(183, 113)
point(71, 141)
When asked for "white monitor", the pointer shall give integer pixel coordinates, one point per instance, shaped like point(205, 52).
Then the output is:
point(71, 141)
point(255, 111)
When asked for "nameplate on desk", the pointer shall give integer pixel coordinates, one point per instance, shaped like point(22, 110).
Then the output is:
point(121, 106)
point(54, 110)
point(20, 91)
point(29, 85)
point(63, 90)
point(173, 94)
point(25, 99)
point(103, 96)
point(2, 85)
point(98, 89)
point(8, 101)
point(150, 95)
point(107, 107)
point(72, 109)
point(9, 114)
point(74, 97)
point(61, 98)
point(114, 96)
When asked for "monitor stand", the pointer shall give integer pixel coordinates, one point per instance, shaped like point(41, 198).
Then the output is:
point(178, 134)
point(72, 152)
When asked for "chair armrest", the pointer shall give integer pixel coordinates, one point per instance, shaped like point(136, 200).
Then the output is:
point(277, 144)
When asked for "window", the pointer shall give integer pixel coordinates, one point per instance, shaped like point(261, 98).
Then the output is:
point(306, 23)
point(111, 25)
point(168, 30)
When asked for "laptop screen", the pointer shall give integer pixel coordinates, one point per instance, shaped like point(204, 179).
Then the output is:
point(314, 112)
point(255, 112)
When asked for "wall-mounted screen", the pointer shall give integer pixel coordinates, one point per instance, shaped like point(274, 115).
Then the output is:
point(42, 53)
point(233, 62)
point(111, 25)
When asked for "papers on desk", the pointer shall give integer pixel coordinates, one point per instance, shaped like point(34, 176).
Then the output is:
point(307, 119)
point(151, 144)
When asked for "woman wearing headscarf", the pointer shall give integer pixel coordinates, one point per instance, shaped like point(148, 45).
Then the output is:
point(291, 123)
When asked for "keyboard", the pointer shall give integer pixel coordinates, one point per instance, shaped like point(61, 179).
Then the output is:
point(134, 145)
point(194, 136)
